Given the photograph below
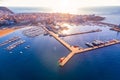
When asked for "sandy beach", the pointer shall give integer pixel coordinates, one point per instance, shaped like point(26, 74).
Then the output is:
point(6, 31)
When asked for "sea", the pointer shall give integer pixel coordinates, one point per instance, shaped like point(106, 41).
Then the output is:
point(40, 61)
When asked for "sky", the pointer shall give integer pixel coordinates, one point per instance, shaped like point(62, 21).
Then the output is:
point(70, 6)
point(59, 3)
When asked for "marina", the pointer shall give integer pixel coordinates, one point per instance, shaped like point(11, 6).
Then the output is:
point(14, 45)
point(33, 31)
point(78, 56)
point(15, 38)
point(76, 49)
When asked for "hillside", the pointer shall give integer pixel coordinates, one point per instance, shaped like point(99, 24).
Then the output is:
point(4, 10)
point(6, 17)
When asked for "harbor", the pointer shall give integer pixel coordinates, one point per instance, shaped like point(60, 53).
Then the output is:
point(76, 49)
point(77, 55)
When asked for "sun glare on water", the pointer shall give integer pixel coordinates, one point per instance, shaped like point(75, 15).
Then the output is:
point(69, 31)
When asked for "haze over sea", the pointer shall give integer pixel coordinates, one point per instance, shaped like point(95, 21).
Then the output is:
point(39, 62)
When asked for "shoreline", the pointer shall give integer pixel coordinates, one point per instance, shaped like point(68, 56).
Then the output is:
point(6, 31)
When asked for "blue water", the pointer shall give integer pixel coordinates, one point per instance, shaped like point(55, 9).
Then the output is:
point(108, 10)
point(39, 62)
point(29, 9)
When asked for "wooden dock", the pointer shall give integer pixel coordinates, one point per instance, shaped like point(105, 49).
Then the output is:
point(77, 50)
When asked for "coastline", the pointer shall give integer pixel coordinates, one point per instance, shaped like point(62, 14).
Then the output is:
point(4, 32)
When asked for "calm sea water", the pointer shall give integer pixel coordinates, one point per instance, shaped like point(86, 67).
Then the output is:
point(39, 62)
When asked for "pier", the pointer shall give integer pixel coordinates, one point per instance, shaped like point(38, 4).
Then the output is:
point(71, 54)
point(77, 50)
point(91, 31)
point(58, 39)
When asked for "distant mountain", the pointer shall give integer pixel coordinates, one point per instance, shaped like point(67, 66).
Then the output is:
point(6, 17)
point(4, 11)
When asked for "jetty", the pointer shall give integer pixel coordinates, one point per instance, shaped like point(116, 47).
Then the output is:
point(71, 54)
point(91, 31)
point(58, 39)
point(76, 49)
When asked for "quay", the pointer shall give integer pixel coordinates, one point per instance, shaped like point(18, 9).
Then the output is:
point(15, 38)
point(91, 31)
point(58, 39)
point(77, 50)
